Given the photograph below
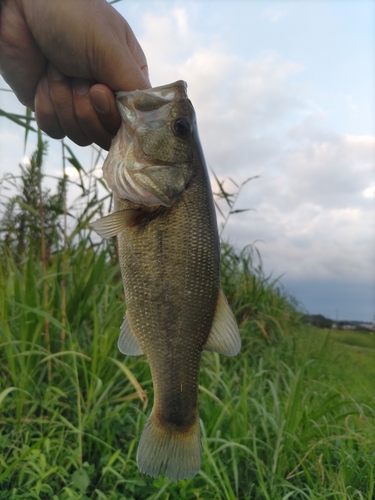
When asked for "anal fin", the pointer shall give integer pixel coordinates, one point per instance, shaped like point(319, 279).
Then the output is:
point(224, 337)
point(127, 342)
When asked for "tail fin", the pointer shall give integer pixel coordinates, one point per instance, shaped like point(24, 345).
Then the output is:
point(174, 454)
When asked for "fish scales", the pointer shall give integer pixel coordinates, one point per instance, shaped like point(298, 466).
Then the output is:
point(170, 263)
point(171, 299)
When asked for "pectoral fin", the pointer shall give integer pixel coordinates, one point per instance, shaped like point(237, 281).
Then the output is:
point(115, 223)
point(127, 342)
point(224, 337)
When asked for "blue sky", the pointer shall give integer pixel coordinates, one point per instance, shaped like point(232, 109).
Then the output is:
point(283, 90)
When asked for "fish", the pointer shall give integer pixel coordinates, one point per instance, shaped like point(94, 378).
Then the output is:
point(169, 254)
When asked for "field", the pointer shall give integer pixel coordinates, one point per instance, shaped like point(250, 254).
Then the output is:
point(292, 416)
point(356, 339)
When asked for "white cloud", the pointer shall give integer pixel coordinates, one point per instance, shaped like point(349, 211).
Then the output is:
point(348, 100)
point(272, 14)
point(332, 172)
point(181, 18)
point(71, 172)
point(369, 192)
point(25, 160)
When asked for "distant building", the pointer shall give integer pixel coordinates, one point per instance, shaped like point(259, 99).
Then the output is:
point(368, 326)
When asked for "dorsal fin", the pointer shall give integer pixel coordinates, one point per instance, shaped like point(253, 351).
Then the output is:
point(224, 337)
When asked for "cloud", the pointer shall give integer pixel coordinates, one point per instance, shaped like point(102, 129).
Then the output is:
point(349, 101)
point(311, 211)
point(331, 172)
point(239, 103)
point(369, 192)
point(272, 14)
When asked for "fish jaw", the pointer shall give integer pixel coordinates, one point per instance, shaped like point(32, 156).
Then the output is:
point(150, 161)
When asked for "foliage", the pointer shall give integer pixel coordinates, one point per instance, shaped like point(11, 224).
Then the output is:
point(318, 320)
point(31, 217)
point(230, 199)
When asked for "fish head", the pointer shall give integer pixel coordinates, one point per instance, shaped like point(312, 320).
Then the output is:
point(150, 161)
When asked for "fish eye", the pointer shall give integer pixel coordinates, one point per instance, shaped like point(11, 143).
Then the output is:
point(182, 127)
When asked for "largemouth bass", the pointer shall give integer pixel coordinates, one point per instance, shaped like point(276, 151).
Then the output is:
point(169, 255)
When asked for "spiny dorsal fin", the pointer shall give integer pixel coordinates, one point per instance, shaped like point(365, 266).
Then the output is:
point(114, 224)
point(127, 342)
point(224, 337)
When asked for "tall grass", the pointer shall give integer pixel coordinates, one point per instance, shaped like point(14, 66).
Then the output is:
point(290, 417)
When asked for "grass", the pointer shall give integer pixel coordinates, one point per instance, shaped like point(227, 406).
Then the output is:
point(292, 416)
point(356, 339)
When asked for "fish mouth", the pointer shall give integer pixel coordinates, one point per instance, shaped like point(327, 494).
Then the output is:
point(132, 105)
point(152, 98)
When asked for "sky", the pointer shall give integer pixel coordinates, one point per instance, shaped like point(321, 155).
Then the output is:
point(283, 90)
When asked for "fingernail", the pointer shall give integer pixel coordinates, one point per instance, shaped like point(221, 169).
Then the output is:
point(56, 75)
point(81, 86)
point(100, 102)
point(44, 84)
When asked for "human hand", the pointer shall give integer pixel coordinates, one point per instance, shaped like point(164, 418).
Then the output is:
point(64, 59)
